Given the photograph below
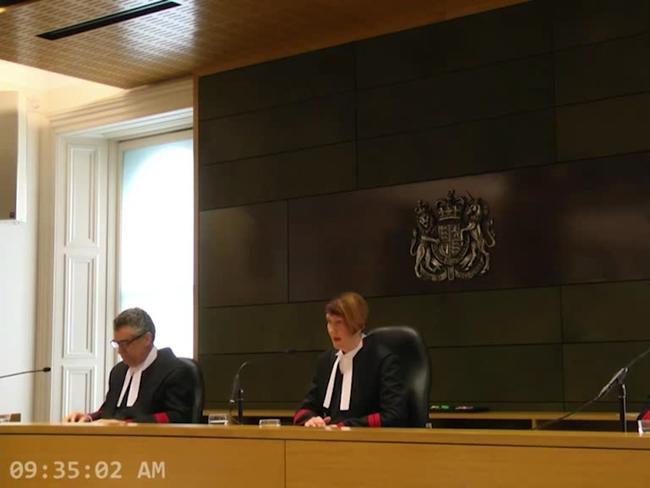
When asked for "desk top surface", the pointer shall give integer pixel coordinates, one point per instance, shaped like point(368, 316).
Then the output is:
point(384, 435)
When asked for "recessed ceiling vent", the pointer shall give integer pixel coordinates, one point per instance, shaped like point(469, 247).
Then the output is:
point(8, 3)
point(116, 18)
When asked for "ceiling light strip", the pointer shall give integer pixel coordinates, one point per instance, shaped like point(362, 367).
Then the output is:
point(109, 20)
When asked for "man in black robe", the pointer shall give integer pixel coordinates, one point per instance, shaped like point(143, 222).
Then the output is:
point(148, 385)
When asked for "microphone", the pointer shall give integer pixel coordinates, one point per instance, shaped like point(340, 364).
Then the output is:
point(46, 369)
point(617, 380)
point(237, 393)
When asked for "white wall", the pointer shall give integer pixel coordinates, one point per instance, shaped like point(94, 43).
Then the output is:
point(55, 92)
point(22, 288)
point(26, 249)
point(18, 282)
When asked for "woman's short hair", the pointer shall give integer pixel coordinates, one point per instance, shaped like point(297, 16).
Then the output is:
point(136, 318)
point(352, 308)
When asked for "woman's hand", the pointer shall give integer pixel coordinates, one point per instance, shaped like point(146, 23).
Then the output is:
point(318, 422)
point(109, 422)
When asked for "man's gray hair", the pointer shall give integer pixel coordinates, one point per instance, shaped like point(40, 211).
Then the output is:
point(136, 318)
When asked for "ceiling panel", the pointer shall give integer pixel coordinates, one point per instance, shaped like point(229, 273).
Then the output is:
point(202, 36)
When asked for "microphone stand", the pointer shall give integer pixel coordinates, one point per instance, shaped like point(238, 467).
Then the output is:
point(619, 377)
point(237, 395)
point(42, 370)
point(622, 408)
point(618, 381)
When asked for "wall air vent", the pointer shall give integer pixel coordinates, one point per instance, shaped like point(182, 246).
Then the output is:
point(109, 20)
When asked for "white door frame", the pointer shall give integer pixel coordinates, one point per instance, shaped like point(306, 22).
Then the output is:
point(80, 261)
point(78, 375)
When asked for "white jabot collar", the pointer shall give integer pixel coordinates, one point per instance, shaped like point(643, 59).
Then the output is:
point(344, 361)
point(135, 372)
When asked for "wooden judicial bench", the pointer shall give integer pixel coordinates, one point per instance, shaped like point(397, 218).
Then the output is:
point(250, 456)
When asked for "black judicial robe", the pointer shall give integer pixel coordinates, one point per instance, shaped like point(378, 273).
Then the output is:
point(377, 398)
point(166, 392)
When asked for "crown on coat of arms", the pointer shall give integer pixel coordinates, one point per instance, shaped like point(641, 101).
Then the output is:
point(450, 207)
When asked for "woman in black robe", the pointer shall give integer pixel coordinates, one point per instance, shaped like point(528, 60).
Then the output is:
point(359, 383)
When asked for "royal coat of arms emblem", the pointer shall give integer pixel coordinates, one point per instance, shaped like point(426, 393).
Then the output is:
point(452, 238)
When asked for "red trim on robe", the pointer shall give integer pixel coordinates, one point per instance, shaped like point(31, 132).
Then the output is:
point(374, 420)
point(646, 415)
point(161, 418)
point(299, 414)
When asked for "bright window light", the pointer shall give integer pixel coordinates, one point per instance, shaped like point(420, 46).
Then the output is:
point(156, 251)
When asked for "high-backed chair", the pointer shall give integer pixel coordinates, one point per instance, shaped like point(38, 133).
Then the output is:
point(197, 380)
point(407, 344)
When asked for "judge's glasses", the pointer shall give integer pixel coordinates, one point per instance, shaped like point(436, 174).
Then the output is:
point(126, 342)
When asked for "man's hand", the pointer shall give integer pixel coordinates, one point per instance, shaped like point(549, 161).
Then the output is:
point(318, 422)
point(77, 417)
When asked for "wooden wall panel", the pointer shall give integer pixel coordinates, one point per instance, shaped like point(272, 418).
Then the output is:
point(283, 128)
point(584, 21)
point(525, 316)
point(263, 328)
point(542, 111)
point(606, 312)
point(602, 128)
point(588, 367)
point(556, 224)
point(459, 375)
point(497, 374)
point(513, 141)
point(237, 261)
point(491, 91)
point(608, 69)
point(269, 381)
point(323, 169)
point(288, 80)
point(604, 198)
point(498, 35)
